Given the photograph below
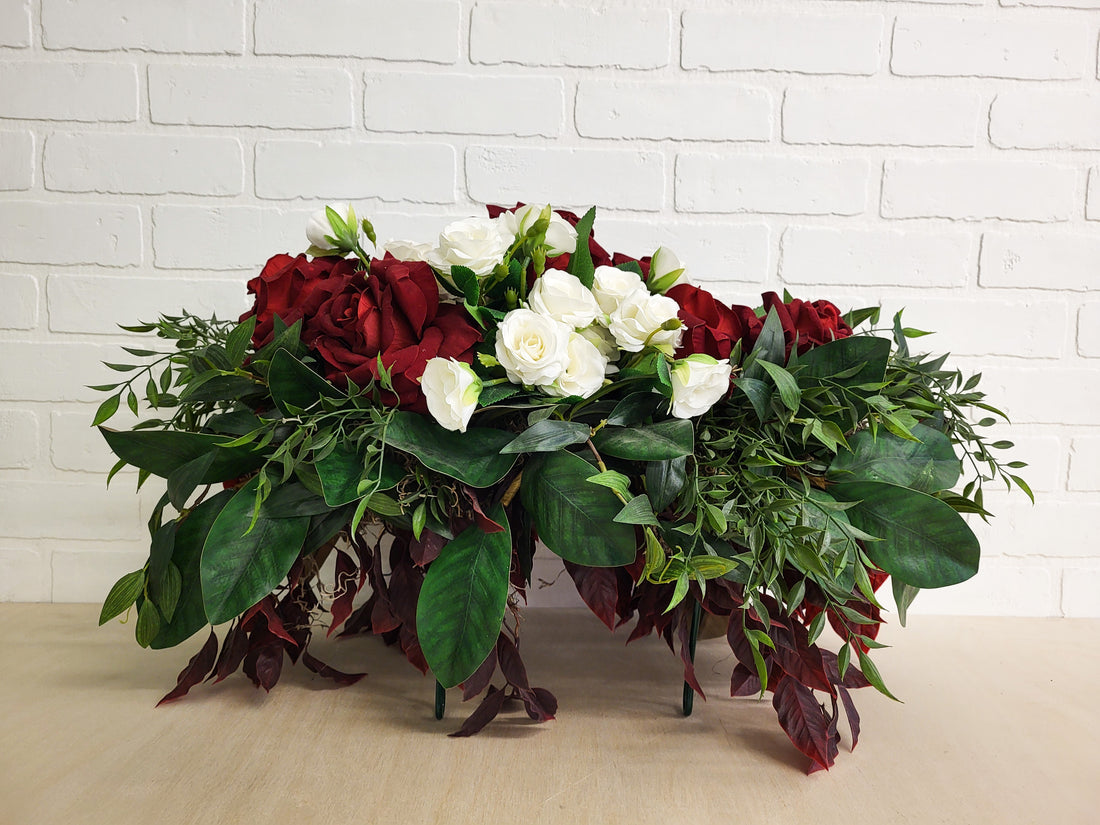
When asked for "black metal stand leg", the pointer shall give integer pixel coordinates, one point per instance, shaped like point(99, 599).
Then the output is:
point(696, 617)
point(440, 700)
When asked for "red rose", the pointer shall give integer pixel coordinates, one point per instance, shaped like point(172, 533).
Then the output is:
point(394, 313)
point(811, 324)
point(293, 289)
point(712, 327)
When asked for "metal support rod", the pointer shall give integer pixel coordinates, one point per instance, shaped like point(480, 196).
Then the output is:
point(696, 617)
point(440, 700)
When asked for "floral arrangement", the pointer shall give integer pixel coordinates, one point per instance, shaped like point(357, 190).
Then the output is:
point(417, 416)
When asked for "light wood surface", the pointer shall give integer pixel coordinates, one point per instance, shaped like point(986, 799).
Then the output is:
point(999, 725)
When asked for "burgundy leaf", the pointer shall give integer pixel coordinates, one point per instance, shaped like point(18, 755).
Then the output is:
point(744, 682)
point(540, 704)
point(598, 588)
point(233, 652)
point(481, 677)
point(329, 672)
point(853, 676)
point(345, 590)
point(382, 618)
point(410, 644)
point(426, 550)
point(264, 664)
point(405, 582)
point(486, 524)
point(484, 714)
point(803, 719)
point(806, 666)
point(683, 630)
point(266, 605)
point(833, 740)
point(850, 710)
point(196, 670)
point(511, 665)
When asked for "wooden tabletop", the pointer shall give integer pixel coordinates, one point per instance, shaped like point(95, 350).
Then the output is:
point(999, 724)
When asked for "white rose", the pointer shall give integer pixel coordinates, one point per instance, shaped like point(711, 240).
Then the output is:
point(532, 348)
point(698, 382)
point(665, 271)
point(584, 370)
point(564, 298)
point(561, 237)
point(611, 285)
point(407, 250)
point(476, 243)
point(318, 226)
point(642, 319)
point(451, 389)
point(603, 340)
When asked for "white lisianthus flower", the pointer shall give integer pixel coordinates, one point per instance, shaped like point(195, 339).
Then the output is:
point(318, 226)
point(642, 320)
point(451, 389)
point(611, 285)
point(698, 382)
point(476, 243)
point(584, 369)
point(564, 298)
point(407, 250)
point(532, 348)
point(561, 237)
point(603, 340)
point(666, 271)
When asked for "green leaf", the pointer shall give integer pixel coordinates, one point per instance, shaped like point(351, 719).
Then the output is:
point(293, 384)
point(789, 393)
point(758, 392)
point(580, 263)
point(473, 457)
point(860, 358)
point(664, 480)
point(342, 471)
point(612, 480)
point(183, 480)
point(168, 593)
point(148, 623)
point(634, 409)
point(462, 601)
point(637, 511)
point(574, 517)
point(240, 566)
point(546, 436)
point(669, 439)
point(160, 452)
point(903, 597)
point(236, 343)
point(495, 393)
point(928, 464)
point(108, 408)
point(213, 386)
point(770, 346)
point(924, 542)
point(122, 595)
point(873, 676)
point(466, 280)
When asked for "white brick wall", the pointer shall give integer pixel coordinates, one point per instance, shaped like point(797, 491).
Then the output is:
point(937, 155)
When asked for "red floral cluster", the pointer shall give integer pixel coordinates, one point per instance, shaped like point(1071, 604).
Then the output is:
point(350, 319)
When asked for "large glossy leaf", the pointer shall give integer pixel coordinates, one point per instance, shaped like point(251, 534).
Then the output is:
point(924, 542)
point(341, 471)
point(546, 436)
point(664, 480)
point(190, 615)
point(473, 457)
point(161, 452)
point(293, 384)
point(928, 465)
point(574, 517)
point(660, 442)
point(240, 566)
point(843, 356)
point(462, 601)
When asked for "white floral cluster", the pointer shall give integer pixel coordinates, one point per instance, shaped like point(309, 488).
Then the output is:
point(567, 339)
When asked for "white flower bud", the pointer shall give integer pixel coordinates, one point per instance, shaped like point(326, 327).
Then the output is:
point(318, 226)
point(642, 320)
point(698, 382)
point(451, 389)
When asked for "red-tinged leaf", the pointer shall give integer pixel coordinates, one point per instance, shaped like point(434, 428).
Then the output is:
point(481, 677)
point(486, 524)
point(405, 584)
point(833, 741)
point(233, 652)
point(850, 710)
point(598, 588)
point(806, 666)
point(485, 713)
point(195, 672)
point(683, 630)
point(802, 719)
point(329, 672)
point(540, 704)
point(426, 549)
point(410, 644)
point(345, 590)
point(853, 676)
point(274, 623)
point(511, 665)
point(263, 664)
point(744, 682)
point(382, 619)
